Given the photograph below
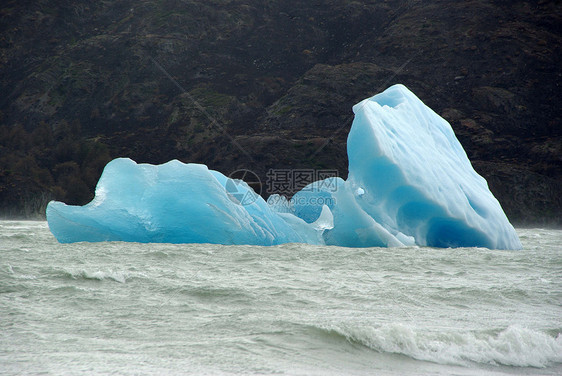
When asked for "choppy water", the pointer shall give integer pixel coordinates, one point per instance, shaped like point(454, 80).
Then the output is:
point(135, 309)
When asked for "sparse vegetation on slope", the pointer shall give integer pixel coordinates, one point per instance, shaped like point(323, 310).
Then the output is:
point(82, 83)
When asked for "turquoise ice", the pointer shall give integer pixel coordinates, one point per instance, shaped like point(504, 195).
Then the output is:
point(171, 203)
point(410, 182)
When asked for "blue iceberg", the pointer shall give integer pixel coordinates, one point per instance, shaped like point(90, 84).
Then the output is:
point(410, 183)
point(173, 203)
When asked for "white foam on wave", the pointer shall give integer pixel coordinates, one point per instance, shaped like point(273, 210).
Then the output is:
point(513, 346)
point(99, 275)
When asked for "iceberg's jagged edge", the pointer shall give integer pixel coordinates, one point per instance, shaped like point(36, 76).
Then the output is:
point(410, 182)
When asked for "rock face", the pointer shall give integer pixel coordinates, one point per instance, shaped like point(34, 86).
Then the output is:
point(261, 85)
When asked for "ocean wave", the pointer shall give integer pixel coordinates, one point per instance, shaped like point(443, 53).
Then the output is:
point(513, 346)
point(98, 275)
point(16, 236)
point(223, 294)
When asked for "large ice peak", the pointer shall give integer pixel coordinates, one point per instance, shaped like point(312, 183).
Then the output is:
point(410, 182)
point(416, 177)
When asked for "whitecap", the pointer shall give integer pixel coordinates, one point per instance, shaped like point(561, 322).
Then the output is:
point(513, 346)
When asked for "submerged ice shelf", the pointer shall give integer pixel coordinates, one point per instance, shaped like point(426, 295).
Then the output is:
point(410, 182)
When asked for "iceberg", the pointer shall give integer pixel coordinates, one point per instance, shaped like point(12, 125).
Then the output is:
point(173, 203)
point(410, 183)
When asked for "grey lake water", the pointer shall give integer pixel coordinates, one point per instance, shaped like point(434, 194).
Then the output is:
point(161, 309)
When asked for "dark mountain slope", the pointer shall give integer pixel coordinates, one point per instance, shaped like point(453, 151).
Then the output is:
point(263, 85)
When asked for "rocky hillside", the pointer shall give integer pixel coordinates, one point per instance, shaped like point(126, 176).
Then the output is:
point(259, 85)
